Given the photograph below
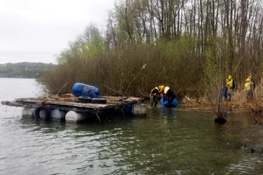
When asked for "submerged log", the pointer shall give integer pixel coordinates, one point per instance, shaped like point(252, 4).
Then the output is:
point(220, 120)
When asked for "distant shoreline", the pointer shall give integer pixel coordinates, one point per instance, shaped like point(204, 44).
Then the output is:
point(24, 70)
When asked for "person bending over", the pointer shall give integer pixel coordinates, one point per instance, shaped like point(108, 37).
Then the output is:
point(170, 95)
point(154, 95)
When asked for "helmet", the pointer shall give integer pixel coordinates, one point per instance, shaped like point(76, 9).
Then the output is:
point(161, 87)
point(229, 77)
point(248, 79)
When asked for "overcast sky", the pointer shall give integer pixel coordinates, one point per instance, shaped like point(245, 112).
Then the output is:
point(38, 30)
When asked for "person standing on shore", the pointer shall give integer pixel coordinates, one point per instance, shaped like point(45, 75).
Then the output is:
point(225, 93)
point(231, 84)
point(249, 89)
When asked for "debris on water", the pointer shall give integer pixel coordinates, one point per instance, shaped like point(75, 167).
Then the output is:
point(220, 120)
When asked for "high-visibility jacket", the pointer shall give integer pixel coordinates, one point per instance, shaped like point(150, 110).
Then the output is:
point(248, 86)
point(230, 82)
point(155, 91)
point(228, 90)
point(225, 91)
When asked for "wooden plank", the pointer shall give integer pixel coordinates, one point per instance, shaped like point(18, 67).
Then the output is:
point(8, 103)
point(113, 102)
point(74, 104)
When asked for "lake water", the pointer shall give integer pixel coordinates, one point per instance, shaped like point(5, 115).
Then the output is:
point(165, 141)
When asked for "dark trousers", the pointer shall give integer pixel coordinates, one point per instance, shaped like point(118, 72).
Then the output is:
point(170, 100)
point(154, 101)
point(249, 95)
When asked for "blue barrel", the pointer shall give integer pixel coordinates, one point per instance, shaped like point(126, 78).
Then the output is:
point(165, 102)
point(128, 109)
point(81, 89)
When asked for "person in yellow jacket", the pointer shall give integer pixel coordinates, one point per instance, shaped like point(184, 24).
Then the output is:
point(231, 84)
point(225, 93)
point(154, 95)
point(249, 89)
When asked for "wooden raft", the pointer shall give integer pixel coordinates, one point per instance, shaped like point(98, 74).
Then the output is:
point(71, 103)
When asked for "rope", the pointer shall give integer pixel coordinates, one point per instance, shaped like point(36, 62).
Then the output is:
point(98, 116)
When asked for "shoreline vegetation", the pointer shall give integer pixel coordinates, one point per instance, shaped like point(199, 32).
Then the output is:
point(191, 47)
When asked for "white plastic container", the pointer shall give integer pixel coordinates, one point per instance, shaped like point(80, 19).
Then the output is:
point(57, 115)
point(43, 114)
point(75, 117)
point(139, 109)
point(28, 112)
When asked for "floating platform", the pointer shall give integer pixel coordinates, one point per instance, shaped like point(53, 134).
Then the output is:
point(70, 103)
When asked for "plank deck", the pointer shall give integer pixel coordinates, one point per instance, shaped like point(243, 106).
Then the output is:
point(71, 103)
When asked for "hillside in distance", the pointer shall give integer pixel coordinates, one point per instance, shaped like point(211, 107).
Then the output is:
point(24, 69)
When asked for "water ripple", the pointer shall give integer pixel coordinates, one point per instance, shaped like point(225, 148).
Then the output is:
point(189, 143)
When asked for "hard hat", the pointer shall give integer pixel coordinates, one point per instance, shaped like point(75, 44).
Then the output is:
point(161, 87)
point(248, 79)
point(229, 77)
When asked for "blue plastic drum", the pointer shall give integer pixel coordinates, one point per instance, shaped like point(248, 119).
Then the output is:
point(165, 102)
point(81, 89)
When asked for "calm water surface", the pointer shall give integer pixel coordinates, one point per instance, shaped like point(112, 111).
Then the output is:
point(166, 141)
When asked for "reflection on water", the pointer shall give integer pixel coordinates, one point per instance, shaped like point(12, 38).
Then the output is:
point(165, 141)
